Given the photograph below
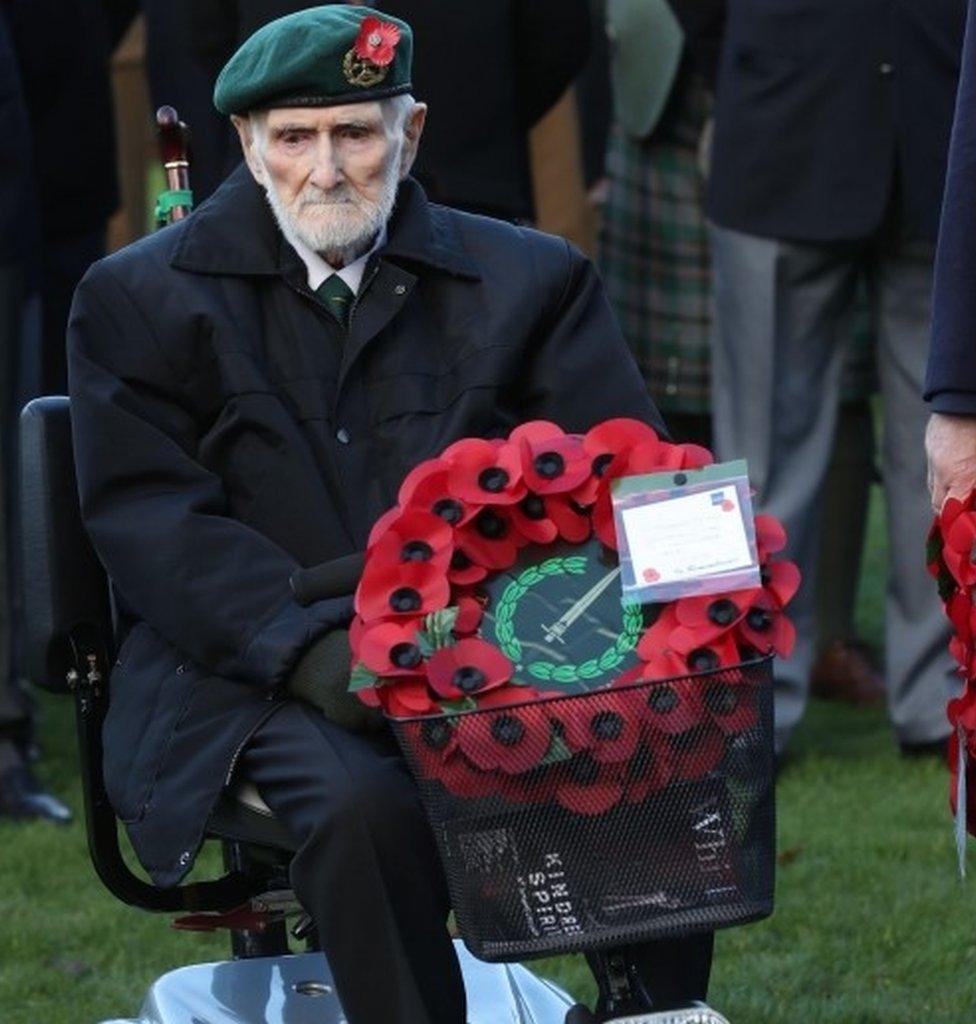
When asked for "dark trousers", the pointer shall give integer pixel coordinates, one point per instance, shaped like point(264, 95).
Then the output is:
point(368, 872)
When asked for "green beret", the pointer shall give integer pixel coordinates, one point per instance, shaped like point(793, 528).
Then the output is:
point(318, 57)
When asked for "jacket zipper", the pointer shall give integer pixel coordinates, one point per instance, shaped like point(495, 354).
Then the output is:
point(247, 739)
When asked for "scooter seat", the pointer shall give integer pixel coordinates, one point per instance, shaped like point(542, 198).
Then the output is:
point(241, 814)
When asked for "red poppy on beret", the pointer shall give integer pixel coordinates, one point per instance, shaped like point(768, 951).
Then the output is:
point(588, 787)
point(471, 666)
point(391, 648)
point(505, 733)
point(483, 473)
point(401, 589)
point(377, 41)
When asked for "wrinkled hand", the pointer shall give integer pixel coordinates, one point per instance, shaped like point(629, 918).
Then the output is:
point(950, 443)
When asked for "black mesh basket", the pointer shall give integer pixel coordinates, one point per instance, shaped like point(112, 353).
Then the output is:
point(649, 814)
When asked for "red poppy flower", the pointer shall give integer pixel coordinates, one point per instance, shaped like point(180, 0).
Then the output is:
point(657, 456)
point(959, 550)
point(490, 539)
point(413, 535)
point(732, 707)
point(356, 630)
point(780, 581)
point(377, 41)
point(470, 612)
point(542, 519)
point(766, 627)
point(609, 728)
point(483, 473)
point(613, 437)
point(770, 536)
point(472, 666)
point(650, 770)
point(425, 487)
point(696, 752)
point(510, 736)
point(588, 787)
point(462, 572)
point(407, 697)
point(962, 710)
point(673, 706)
point(705, 618)
point(552, 462)
point(391, 649)
point(403, 589)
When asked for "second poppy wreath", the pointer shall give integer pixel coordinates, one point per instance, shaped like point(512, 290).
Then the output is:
point(491, 596)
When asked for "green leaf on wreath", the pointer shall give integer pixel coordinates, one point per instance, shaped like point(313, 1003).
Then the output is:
point(362, 678)
point(439, 626)
point(425, 643)
point(455, 707)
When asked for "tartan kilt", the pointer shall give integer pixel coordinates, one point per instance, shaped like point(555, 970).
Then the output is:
point(654, 254)
point(656, 266)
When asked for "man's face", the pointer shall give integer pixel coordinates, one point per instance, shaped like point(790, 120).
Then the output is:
point(331, 173)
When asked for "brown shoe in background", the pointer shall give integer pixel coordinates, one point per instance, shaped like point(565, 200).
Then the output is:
point(846, 671)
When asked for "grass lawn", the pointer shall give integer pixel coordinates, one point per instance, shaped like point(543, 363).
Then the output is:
point(872, 924)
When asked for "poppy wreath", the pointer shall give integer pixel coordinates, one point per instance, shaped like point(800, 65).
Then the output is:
point(951, 558)
point(489, 725)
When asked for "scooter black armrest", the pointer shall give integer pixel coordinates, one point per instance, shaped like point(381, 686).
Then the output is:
point(65, 588)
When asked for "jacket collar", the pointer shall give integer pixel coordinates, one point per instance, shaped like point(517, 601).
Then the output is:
point(234, 232)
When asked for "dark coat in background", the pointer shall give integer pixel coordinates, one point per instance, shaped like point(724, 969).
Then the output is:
point(489, 71)
point(832, 115)
point(950, 384)
point(226, 433)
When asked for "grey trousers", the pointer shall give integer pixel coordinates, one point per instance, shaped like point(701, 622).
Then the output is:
point(781, 311)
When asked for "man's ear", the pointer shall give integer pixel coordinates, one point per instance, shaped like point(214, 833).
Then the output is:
point(412, 130)
point(245, 132)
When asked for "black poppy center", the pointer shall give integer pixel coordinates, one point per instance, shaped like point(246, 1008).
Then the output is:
point(491, 525)
point(765, 576)
point(663, 700)
point(507, 730)
point(549, 465)
point(584, 770)
point(436, 734)
point(721, 700)
point(416, 551)
point(722, 612)
point(468, 679)
point(703, 659)
point(405, 655)
point(459, 560)
point(607, 725)
point(405, 599)
point(600, 463)
point(449, 510)
point(759, 620)
point(533, 506)
point(493, 479)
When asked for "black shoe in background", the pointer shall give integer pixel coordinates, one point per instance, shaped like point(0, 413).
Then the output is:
point(23, 799)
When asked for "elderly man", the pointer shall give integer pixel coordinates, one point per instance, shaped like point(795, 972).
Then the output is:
point(249, 388)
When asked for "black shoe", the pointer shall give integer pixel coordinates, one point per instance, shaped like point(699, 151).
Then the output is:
point(23, 799)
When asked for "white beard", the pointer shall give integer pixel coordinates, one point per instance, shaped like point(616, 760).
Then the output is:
point(338, 222)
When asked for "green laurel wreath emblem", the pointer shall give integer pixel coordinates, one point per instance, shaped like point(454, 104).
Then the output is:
point(511, 646)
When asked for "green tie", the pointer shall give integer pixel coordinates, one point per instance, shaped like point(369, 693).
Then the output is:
point(337, 297)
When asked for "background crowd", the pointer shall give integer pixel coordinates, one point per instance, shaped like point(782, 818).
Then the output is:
point(760, 184)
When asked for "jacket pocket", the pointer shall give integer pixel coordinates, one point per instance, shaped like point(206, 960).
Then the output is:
point(149, 690)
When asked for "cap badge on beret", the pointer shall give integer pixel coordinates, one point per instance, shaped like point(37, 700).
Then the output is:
point(368, 62)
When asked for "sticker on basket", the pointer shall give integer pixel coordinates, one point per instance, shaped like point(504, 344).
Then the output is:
point(686, 532)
